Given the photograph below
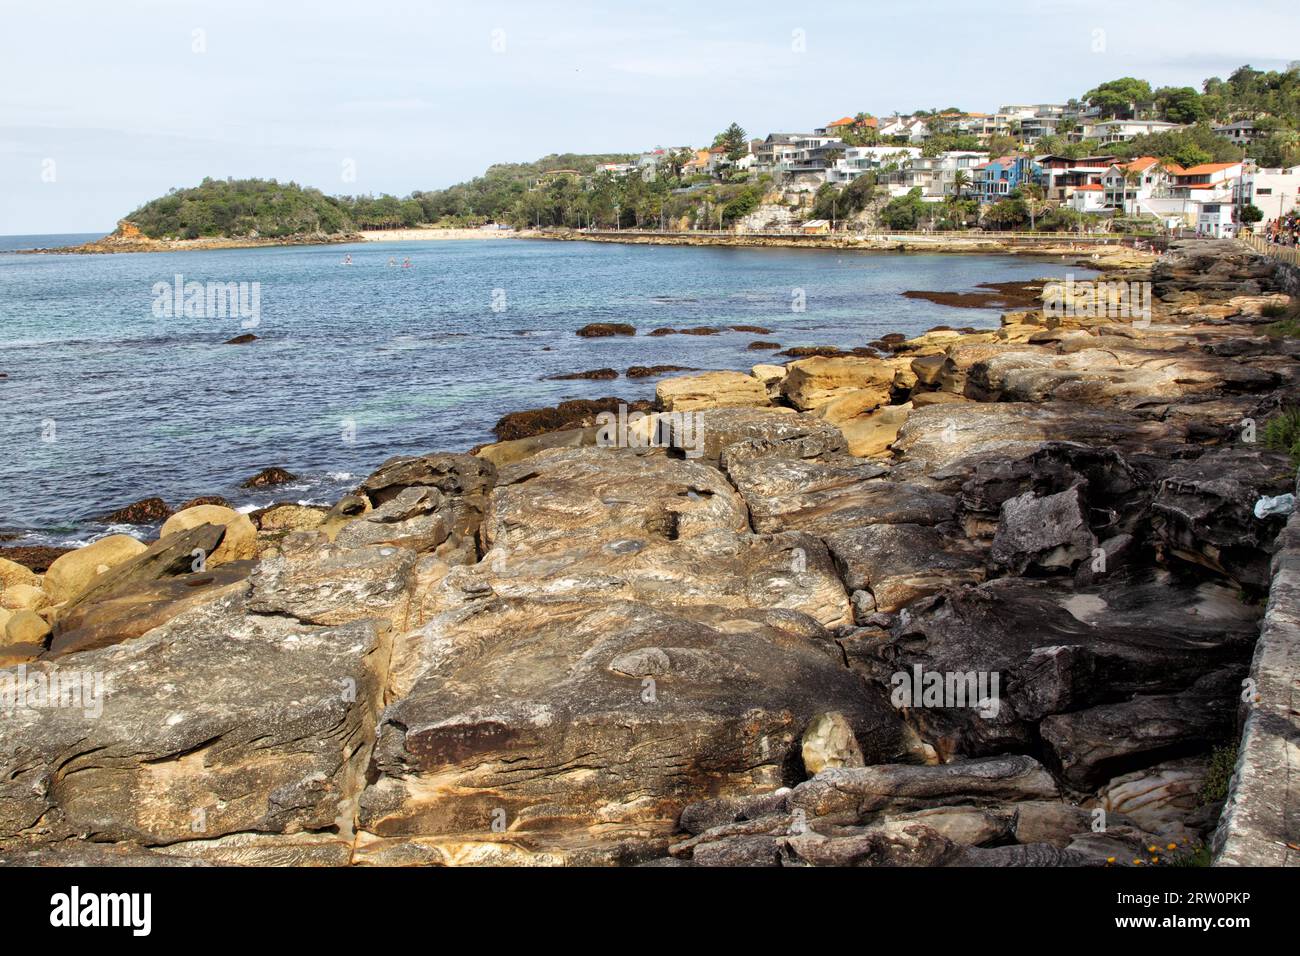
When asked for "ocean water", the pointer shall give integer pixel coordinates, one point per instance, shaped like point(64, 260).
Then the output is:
point(105, 401)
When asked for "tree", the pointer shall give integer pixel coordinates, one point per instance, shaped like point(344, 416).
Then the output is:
point(1119, 98)
point(1251, 214)
point(903, 212)
point(1181, 104)
point(1034, 198)
point(960, 181)
point(734, 140)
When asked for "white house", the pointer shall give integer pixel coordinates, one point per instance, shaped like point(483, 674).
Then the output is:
point(1089, 197)
point(1274, 192)
point(1242, 132)
point(1130, 186)
point(862, 159)
point(1120, 131)
point(1216, 219)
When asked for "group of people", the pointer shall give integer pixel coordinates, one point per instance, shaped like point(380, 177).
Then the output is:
point(1284, 231)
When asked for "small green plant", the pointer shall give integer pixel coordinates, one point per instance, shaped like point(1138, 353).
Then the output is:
point(1274, 310)
point(1223, 760)
point(1282, 432)
point(1283, 328)
point(1199, 856)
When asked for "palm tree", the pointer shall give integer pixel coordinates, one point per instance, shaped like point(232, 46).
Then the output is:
point(960, 180)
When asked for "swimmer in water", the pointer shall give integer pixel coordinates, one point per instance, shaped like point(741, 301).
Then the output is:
point(406, 263)
point(347, 260)
point(392, 260)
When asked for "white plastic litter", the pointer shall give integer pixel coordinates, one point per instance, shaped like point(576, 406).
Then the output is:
point(1281, 505)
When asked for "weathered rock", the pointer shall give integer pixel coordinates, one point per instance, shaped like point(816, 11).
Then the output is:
point(1050, 532)
point(686, 393)
point(722, 434)
point(851, 795)
point(888, 844)
point(238, 543)
point(898, 563)
point(823, 497)
point(872, 435)
point(213, 724)
point(410, 520)
point(462, 479)
point(127, 611)
point(23, 597)
point(1203, 511)
point(288, 517)
point(593, 495)
point(327, 585)
point(12, 573)
point(76, 571)
point(815, 382)
point(707, 814)
point(829, 742)
point(595, 721)
point(1095, 744)
point(1056, 649)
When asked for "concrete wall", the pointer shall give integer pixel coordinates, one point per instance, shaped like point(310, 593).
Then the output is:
point(1260, 825)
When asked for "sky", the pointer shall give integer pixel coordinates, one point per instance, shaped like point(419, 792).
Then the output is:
point(104, 106)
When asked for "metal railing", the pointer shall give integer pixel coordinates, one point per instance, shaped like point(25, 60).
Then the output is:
point(1287, 254)
point(973, 234)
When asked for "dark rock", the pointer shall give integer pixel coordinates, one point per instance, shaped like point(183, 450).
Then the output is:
point(579, 413)
point(648, 371)
point(603, 329)
point(595, 374)
point(1101, 742)
point(241, 339)
point(36, 558)
point(763, 346)
point(205, 500)
point(145, 511)
point(268, 477)
point(756, 329)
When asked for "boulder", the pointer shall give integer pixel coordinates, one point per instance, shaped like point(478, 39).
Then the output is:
point(23, 597)
point(12, 573)
point(288, 517)
point(239, 543)
point(855, 794)
point(872, 435)
point(1049, 532)
point(145, 511)
point(828, 742)
point(815, 382)
point(685, 393)
point(77, 570)
point(269, 477)
point(26, 627)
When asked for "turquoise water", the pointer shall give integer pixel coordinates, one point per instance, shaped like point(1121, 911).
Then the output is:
point(105, 401)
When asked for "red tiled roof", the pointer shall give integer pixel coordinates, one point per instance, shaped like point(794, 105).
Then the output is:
point(1090, 187)
point(1141, 163)
point(1205, 168)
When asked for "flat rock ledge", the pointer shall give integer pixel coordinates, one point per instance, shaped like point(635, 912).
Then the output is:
point(975, 599)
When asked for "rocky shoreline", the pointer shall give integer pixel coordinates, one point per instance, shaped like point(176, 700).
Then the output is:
point(734, 638)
